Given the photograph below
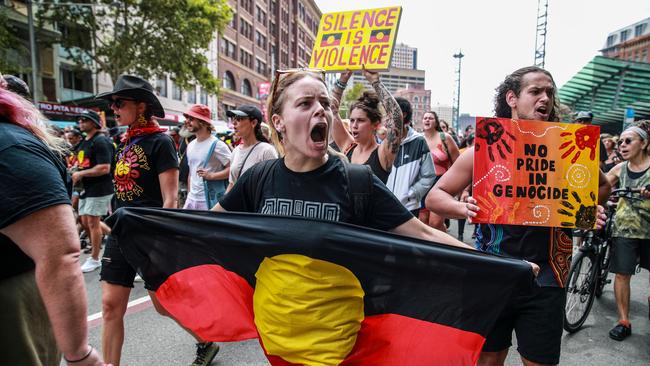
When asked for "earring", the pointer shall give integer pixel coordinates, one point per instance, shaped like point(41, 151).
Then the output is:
point(141, 121)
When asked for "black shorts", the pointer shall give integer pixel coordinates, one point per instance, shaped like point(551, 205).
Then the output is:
point(626, 253)
point(115, 269)
point(537, 320)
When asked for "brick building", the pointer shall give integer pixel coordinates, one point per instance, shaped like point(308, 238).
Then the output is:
point(263, 36)
point(631, 43)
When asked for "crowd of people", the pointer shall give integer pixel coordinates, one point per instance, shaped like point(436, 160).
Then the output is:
point(302, 152)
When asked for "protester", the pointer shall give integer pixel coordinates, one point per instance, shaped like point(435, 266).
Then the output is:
point(530, 94)
point(42, 291)
point(308, 175)
point(146, 175)
point(613, 156)
point(630, 232)
point(94, 157)
point(444, 152)
point(18, 86)
point(413, 173)
point(208, 157)
point(360, 144)
point(254, 147)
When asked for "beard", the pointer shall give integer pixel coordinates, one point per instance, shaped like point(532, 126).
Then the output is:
point(185, 133)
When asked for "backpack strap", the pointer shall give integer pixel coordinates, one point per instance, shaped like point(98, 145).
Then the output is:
point(359, 179)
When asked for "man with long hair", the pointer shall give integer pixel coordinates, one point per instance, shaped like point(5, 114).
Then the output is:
point(536, 317)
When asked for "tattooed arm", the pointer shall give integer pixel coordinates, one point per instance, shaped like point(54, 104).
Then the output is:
point(392, 121)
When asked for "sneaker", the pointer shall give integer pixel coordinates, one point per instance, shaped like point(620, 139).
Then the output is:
point(205, 353)
point(620, 332)
point(90, 265)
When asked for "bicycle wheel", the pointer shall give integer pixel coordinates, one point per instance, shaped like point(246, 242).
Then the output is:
point(580, 290)
point(603, 269)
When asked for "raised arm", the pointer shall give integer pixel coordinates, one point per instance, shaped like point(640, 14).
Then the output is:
point(393, 121)
point(341, 136)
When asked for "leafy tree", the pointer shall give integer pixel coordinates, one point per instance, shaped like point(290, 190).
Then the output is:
point(12, 50)
point(144, 37)
point(349, 97)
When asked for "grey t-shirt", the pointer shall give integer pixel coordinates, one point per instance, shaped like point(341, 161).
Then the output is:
point(260, 152)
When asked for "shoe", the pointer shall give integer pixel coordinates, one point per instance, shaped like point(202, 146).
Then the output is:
point(620, 332)
point(460, 237)
point(90, 265)
point(205, 353)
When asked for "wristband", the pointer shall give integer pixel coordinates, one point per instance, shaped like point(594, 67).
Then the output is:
point(340, 84)
point(81, 359)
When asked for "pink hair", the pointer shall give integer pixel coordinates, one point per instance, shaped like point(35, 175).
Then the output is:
point(19, 111)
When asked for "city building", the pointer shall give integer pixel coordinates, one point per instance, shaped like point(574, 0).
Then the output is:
point(262, 37)
point(404, 57)
point(445, 112)
point(394, 79)
point(420, 101)
point(631, 43)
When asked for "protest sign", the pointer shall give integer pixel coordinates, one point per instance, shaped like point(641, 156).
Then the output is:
point(352, 39)
point(536, 173)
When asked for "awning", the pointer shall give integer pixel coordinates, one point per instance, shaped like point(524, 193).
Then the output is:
point(606, 87)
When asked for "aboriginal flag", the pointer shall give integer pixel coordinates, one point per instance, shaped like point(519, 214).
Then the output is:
point(380, 36)
point(319, 292)
point(331, 39)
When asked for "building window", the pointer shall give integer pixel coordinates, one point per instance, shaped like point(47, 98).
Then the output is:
point(261, 15)
point(228, 48)
point(260, 40)
point(246, 88)
point(191, 95)
point(233, 22)
point(248, 5)
point(624, 35)
point(204, 96)
point(245, 58)
point(639, 29)
point(246, 29)
point(644, 56)
point(610, 40)
point(79, 79)
point(260, 66)
point(177, 93)
point(229, 81)
point(161, 86)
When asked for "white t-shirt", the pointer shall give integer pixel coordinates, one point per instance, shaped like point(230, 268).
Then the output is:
point(262, 151)
point(196, 154)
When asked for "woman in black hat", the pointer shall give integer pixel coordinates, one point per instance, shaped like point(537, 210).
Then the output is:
point(145, 175)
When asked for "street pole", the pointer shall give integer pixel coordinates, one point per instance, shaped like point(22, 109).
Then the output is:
point(459, 56)
point(32, 49)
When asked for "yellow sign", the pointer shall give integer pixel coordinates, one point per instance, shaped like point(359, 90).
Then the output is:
point(352, 39)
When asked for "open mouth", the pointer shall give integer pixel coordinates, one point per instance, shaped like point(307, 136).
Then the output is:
point(542, 110)
point(319, 132)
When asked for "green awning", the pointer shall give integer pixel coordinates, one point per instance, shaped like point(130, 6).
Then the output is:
point(606, 87)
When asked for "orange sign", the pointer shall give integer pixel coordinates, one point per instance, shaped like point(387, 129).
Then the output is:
point(536, 173)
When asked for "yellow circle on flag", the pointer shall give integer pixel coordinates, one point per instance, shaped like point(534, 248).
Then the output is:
point(380, 36)
point(330, 39)
point(307, 311)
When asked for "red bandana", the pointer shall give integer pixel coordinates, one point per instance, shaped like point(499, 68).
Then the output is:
point(136, 129)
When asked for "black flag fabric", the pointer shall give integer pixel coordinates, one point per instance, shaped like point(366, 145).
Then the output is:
point(319, 292)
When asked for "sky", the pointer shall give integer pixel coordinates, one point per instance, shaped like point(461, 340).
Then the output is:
point(498, 37)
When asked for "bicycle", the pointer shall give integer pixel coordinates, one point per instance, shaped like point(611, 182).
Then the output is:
point(590, 267)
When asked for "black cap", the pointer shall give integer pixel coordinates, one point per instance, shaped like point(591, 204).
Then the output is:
point(93, 116)
point(584, 116)
point(249, 111)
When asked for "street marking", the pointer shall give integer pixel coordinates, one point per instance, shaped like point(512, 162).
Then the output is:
point(134, 306)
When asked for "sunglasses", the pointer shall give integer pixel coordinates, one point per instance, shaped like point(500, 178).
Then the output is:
point(119, 102)
point(287, 72)
point(627, 141)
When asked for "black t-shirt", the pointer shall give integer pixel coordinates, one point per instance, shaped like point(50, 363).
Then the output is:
point(321, 194)
point(90, 153)
point(33, 178)
point(184, 168)
point(137, 165)
point(550, 248)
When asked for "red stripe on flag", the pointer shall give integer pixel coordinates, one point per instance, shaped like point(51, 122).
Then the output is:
point(391, 339)
point(214, 303)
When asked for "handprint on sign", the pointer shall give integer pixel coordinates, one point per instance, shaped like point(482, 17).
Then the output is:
point(491, 205)
point(585, 138)
point(490, 130)
point(585, 216)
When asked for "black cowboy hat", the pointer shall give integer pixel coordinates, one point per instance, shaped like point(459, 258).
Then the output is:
point(137, 88)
